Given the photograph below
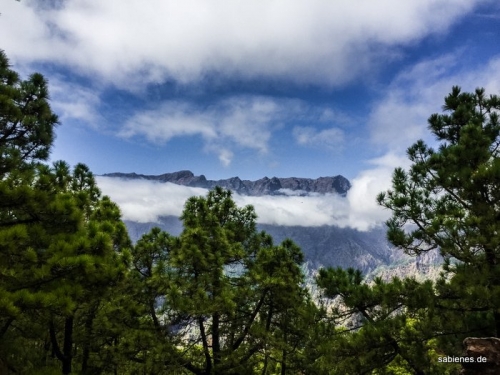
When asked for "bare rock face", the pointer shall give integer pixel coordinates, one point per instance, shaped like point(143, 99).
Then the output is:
point(264, 186)
point(486, 354)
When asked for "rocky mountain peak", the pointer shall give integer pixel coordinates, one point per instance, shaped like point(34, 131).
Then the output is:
point(264, 186)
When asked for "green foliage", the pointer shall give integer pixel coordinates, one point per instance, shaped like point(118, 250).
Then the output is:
point(387, 321)
point(26, 120)
point(451, 196)
point(62, 245)
point(220, 298)
point(448, 200)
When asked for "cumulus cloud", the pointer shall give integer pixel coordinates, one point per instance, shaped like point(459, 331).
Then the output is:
point(364, 211)
point(133, 43)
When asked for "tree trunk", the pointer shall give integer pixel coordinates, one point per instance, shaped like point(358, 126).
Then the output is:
point(283, 363)
point(68, 346)
point(66, 355)
point(6, 326)
point(216, 340)
point(89, 325)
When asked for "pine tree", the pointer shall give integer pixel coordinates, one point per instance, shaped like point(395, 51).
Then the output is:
point(381, 325)
point(62, 245)
point(219, 299)
point(450, 197)
point(448, 201)
point(26, 120)
point(33, 212)
point(97, 260)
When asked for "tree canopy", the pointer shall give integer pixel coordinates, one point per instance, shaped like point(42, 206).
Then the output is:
point(448, 201)
point(62, 244)
point(451, 199)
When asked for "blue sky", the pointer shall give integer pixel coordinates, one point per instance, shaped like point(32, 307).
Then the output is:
point(251, 88)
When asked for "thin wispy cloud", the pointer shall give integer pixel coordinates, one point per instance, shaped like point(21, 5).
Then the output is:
point(72, 102)
point(237, 122)
point(170, 120)
point(225, 156)
point(245, 122)
point(332, 138)
point(399, 118)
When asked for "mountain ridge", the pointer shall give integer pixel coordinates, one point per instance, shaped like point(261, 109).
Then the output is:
point(264, 186)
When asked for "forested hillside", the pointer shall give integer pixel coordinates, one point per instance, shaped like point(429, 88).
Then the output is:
point(222, 297)
point(324, 246)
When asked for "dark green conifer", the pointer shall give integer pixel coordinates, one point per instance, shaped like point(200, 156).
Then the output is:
point(62, 245)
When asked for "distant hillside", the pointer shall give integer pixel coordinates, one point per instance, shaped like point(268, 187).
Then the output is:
point(264, 186)
point(325, 246)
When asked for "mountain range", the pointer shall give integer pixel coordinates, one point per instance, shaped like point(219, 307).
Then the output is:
point(264, 186)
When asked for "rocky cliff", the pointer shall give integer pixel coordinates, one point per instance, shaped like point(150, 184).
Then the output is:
point(264, 186)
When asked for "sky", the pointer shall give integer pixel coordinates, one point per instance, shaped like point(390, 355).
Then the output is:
point(252, 88)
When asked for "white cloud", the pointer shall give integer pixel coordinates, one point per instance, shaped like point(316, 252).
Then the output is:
point(171, 119)
point(225, 156)
point(74, 102)
point(143, 200)
point(245, 122)
point(146, 201)
point(308, 136)
point(248, 120)
point(308, 211)
point(400, 117)
point(134, 43)
point(364, 211)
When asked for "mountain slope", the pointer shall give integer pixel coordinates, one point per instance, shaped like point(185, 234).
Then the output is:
point(322, 246)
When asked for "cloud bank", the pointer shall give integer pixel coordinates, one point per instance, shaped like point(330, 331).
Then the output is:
point(146, 201)
point(135, 43)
